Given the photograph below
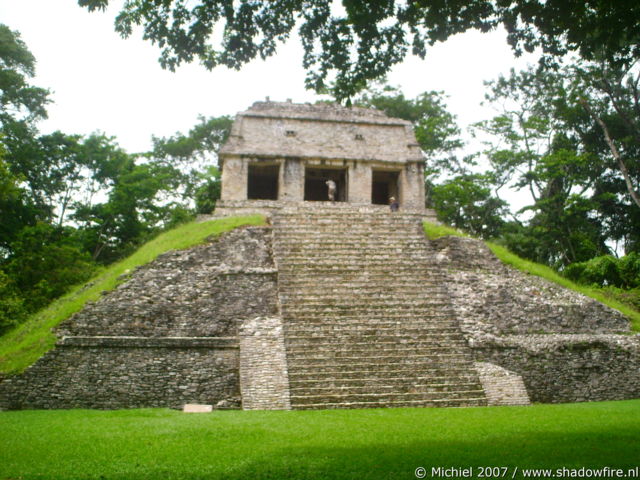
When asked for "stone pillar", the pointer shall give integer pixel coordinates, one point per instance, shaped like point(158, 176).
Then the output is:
point(264, 377)
point(360, 178)
point(412, 187)
point(291, 186)
point(234, 179)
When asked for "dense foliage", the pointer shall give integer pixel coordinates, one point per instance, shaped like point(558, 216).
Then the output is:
point(566, 133)
point(361, 40)
point(70, 204)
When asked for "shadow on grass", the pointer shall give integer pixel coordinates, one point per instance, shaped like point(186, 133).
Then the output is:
point(379, 461)
point(395, 462)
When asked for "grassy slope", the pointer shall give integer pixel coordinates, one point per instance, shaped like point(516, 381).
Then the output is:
point(331, 444)
point(24, 345)
point(435, 231)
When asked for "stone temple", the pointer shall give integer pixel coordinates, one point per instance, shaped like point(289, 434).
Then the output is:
point(282, 153)
point(339, 304)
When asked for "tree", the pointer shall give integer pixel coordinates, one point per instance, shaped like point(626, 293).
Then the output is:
point(46, 261)
point(12, 310)
point(15, 208)
point(19, 101)
point(434, 126)
point(466, 202)
point(21, 105)
point(69, 202)
point(195, 155)
point(362, 40)
point(540, 145)
point(610, 94)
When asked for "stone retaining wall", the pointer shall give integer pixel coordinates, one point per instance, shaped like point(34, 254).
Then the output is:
point(199, 292)
point(167, 336)
point(565, 346)
point(172, 334)
point(568, 368)
point(492, 298)
point(501, 386)
point(117, 374)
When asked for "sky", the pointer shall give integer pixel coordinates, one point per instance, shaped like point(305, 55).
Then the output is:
point(101, 82)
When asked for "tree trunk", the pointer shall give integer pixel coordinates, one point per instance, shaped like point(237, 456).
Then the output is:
point(614, 152)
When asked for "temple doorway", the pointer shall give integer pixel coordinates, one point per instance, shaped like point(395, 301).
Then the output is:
point(263, 182)
point(384, 185)
point(315, 186)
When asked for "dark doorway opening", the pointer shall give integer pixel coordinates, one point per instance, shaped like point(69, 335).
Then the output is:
point(263, 182)
point(315, 186)
point(384, 185)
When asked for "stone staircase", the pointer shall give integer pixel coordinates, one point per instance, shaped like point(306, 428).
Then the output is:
point(367, 322)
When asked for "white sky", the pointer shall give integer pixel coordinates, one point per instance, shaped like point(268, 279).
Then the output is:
point(101, 82)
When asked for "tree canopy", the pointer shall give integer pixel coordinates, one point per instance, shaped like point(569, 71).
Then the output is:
point(19, 101)
point(71, 203)
point(360, 40)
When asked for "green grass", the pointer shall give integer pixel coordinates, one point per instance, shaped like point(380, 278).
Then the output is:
point(435, 231)
point(22, 346)
point(330, 444)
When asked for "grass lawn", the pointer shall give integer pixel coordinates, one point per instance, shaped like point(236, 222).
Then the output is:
point(330, 444)
point(22, 346)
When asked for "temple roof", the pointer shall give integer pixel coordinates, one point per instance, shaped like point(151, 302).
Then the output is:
point(285, 129)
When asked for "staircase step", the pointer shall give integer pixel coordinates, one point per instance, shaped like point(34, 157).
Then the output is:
point(368, 332)
point(345, 344)
point(452, 372)
point(385, 398)
point(480, 401)
point(367, 321)
point(303, 382)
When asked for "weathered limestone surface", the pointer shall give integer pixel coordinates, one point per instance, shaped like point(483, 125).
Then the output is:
point(501, 386)
point(292, 138)
point(565, 346)
point(321, 131)
point(264, 378)
point(569, 368)
point(292, 180)
point(234, 179)
point(412, 186)
point(493, 298)
point(360, 183)
point(360, 311)
point(126, 377)
point(165, 337)
point(366, 321)
point(198, 292)
point(273, 207)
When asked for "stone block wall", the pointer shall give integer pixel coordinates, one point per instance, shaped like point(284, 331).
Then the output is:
point(264, 377)
point(234, 179)
point(565, 346)
point(501, 386)
point(168, 335)
point(200, 292)
point(203, 326)
point(127, 375)
point(569, 368)
point(493, 298)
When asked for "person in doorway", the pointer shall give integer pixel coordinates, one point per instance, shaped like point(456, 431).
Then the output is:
point(393, 204)
point(331, 185)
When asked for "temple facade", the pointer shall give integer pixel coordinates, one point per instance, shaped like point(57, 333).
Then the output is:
point(283, 152)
